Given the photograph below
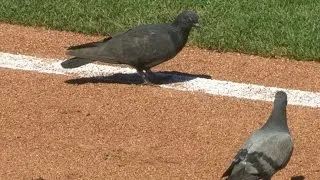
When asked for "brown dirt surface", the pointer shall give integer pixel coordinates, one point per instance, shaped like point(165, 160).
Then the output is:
point(53, 130)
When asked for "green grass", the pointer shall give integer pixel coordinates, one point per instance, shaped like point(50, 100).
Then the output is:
point(288, 28)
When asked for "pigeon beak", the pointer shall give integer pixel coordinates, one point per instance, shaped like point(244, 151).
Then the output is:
point(197, 25)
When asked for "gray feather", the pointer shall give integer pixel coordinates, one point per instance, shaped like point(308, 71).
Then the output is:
point(268, 149)
point(141, 47)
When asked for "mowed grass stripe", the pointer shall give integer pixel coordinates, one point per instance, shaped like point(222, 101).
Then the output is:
point(263, 27)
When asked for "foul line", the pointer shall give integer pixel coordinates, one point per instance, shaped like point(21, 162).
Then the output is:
point(185, 83)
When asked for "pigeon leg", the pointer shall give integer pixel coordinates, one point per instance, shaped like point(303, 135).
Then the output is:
point(144, 76)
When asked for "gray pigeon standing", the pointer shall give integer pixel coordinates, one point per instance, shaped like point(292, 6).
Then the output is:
point(267, 150)
point(142, 47)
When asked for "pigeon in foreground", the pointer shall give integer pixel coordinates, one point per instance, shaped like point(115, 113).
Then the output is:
point(142, 47)
point(267, 150)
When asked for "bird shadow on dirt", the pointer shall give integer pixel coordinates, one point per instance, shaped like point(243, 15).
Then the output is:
point(297, 178)
point(161, 77)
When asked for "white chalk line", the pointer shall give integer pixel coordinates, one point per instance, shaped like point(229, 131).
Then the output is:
point(184, 83)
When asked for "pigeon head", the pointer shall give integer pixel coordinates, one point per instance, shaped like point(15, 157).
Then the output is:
point(278, 117)
point(187, 20)
point(280, 99)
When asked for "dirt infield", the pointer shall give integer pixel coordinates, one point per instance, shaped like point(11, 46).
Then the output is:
point(54, 130)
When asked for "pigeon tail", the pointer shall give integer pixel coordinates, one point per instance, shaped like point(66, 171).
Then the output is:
point(75, 62)
point(91, 44)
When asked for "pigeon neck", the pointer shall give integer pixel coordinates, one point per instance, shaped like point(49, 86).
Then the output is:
point(184, 29)
point(277, 119)
point(180, 35)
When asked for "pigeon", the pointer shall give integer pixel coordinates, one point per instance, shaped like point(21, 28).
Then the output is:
point(141, 47)
point(267, 150)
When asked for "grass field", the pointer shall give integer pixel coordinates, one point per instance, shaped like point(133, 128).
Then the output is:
point(265, 27)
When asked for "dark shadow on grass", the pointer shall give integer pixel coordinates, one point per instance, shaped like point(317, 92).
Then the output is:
point(297, 178)
point(162, 77)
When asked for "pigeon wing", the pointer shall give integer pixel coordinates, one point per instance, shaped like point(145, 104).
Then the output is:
point(274, 151)
point(241, 155)
point(262, 154)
